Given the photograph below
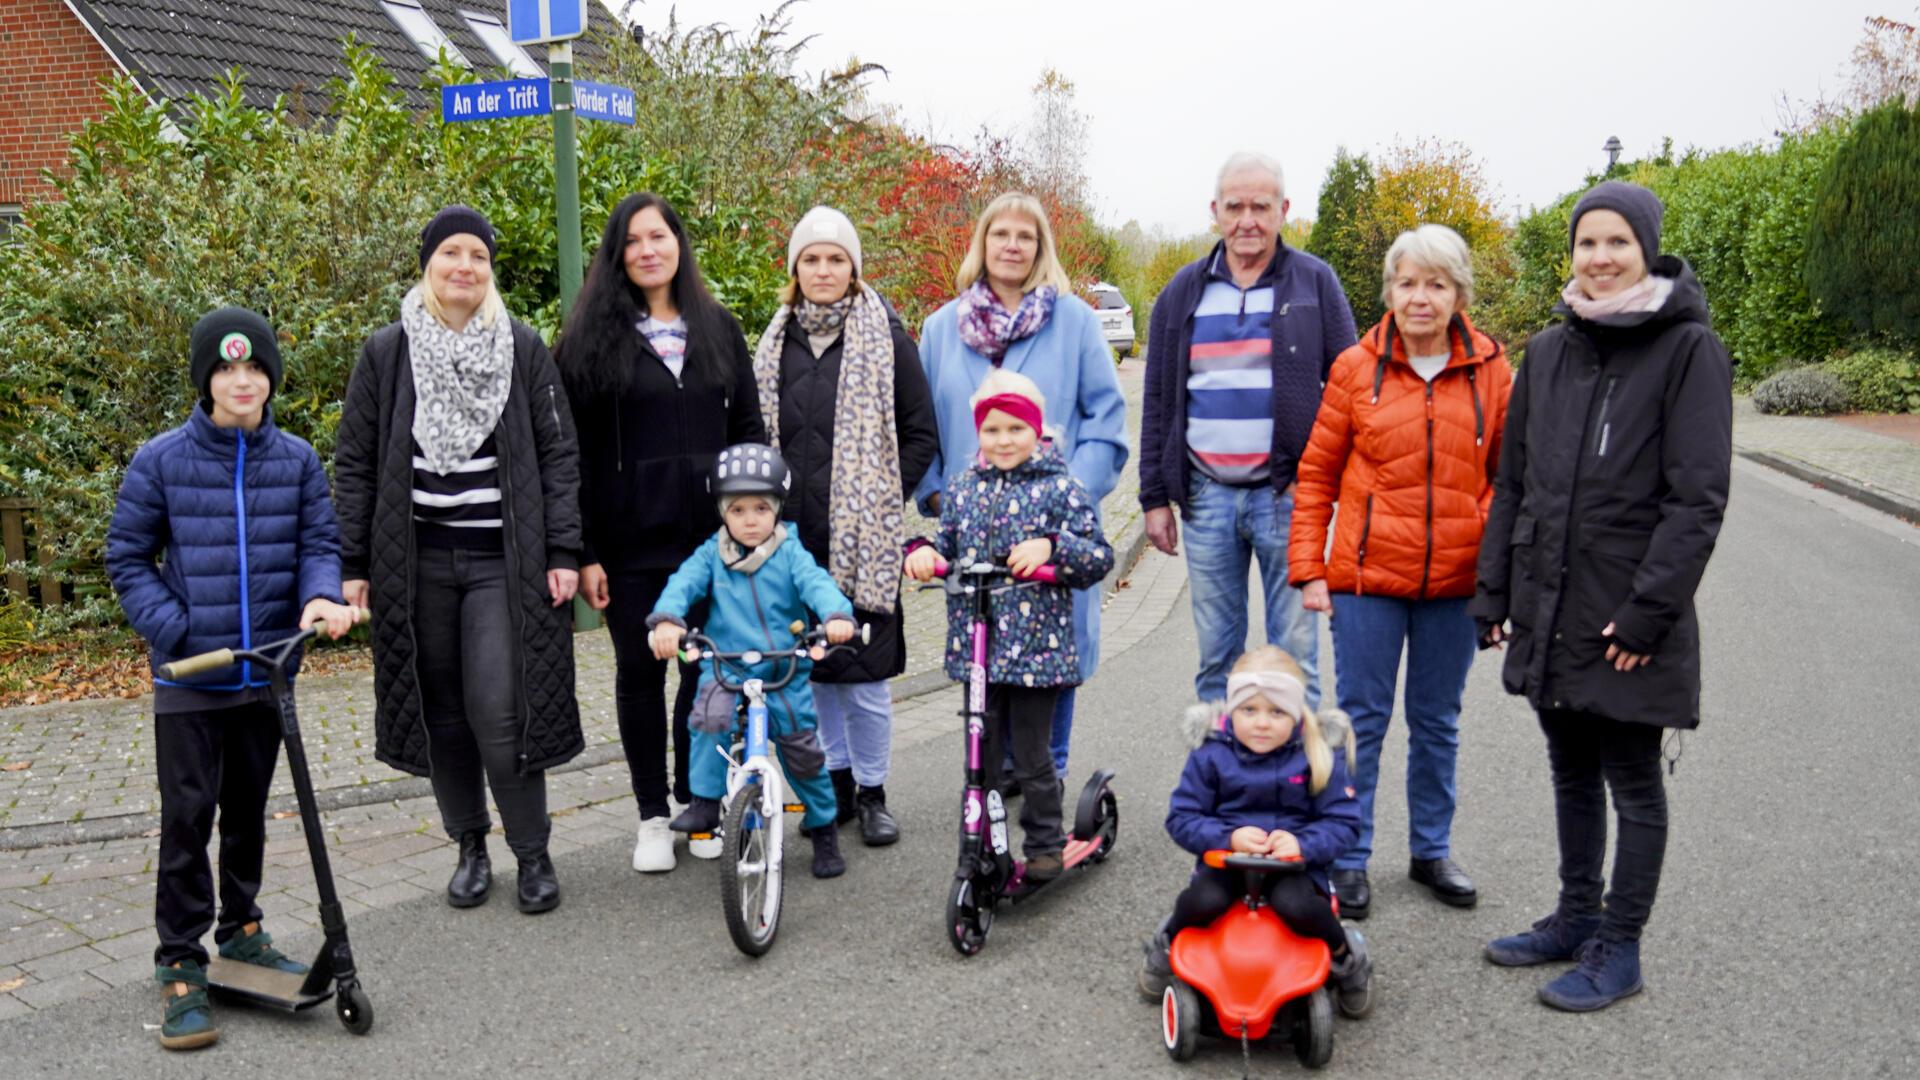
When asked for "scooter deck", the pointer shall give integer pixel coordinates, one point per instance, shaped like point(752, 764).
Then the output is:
point(262, 986)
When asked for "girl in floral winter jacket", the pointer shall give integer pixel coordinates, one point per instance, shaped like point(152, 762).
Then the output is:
point(1019, 506)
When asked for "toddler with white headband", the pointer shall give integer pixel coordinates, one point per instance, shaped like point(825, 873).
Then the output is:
point(1264, 780)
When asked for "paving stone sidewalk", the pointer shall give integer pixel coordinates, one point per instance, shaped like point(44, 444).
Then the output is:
point(77, 919)
point(1874, 460)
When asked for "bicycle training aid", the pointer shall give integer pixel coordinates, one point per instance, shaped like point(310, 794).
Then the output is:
point(751, 821)
point(332, 972)
point(987, 872)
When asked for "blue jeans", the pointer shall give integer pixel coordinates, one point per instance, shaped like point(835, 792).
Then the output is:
point(1226, 529)
point(856, 727)
point(1439, 639)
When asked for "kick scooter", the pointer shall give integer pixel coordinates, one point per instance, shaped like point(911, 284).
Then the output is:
point(987, 872)
point(751, 822)
point(332, 972)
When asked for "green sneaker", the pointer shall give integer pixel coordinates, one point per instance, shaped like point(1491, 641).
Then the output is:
point(189, 1019)
point(257, 948)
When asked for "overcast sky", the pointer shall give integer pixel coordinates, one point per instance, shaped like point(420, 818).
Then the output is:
point(1173, 86)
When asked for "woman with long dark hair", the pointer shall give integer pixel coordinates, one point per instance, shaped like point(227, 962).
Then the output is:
point(661, 381)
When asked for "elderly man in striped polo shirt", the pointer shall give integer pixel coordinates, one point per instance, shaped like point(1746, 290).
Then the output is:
point(1239, 347)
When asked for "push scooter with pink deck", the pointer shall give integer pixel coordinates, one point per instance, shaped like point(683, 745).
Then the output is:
point(987, 872)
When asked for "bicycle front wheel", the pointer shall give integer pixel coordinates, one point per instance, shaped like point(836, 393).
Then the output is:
point(750, 872)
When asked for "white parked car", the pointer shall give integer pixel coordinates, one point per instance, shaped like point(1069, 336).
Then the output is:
point(1116, 316)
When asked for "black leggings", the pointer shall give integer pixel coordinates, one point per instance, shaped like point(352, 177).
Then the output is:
point(1294, 897)
point(1020, 719)
point(1591, 755)
point(640, 692)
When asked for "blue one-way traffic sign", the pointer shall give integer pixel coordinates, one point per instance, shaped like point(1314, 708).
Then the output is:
point(598, 101)
point(536, 22)
point(496, 100)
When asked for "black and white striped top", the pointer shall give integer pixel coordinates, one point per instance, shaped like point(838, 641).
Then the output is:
point(462, 508)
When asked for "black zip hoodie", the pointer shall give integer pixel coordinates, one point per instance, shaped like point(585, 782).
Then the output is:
point(646, 451)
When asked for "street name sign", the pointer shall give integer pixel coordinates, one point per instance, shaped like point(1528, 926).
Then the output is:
point(496, 100)
point(540, 22)
point(599, 101)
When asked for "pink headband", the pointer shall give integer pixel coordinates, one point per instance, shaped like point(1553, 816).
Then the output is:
point(1020, 408)
point(1278, 687)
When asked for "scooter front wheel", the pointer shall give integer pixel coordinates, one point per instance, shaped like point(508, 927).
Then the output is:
point(969, 917)
point(355, 1009)
point(750, 873)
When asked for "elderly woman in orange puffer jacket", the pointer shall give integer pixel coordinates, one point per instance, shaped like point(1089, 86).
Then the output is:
point(1407, 442)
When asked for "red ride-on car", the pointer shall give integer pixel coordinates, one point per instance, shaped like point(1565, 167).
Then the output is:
point(1248, 977)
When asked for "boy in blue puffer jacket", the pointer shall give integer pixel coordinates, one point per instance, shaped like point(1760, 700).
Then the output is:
point(223, 536)
point(759, 582)
point(1265, 780)
point(1019, 506)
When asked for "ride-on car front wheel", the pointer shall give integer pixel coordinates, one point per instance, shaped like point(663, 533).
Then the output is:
point(1180, 1020)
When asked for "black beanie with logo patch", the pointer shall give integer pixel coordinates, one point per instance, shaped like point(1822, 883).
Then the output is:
point(232, 335)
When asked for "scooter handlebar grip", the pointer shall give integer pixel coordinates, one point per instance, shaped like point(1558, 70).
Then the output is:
point(194, 665)
point(1045, 575)
point(941, 566)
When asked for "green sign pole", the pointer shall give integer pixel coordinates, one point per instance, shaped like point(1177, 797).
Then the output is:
point(566, 208)
point(566, 174)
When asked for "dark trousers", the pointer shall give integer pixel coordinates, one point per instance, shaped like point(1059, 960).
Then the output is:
point(1294, 897)
point(640, 692)
point(1023, 716)
point(1591, 755)
point(469, 664)
point(221, 758)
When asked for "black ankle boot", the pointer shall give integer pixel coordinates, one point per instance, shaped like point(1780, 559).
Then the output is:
point(539, 887)
point(844, 794)
point(474, 876)
point(826, 852)
point(877, 827)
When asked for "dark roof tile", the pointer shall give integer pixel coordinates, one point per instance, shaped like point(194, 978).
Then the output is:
point(175, 47)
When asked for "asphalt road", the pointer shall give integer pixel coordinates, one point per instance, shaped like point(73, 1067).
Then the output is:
point(1783, 944)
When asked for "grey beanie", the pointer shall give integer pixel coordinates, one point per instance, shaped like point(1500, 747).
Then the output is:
point(1639, 206)
point(824, 225)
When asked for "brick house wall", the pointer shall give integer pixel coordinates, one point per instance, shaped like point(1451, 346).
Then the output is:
point(50, 72)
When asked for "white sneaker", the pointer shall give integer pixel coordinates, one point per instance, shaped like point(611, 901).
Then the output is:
point(653, 851)
point(705, 849)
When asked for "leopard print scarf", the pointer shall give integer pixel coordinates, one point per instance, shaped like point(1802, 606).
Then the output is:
point(461, 380)
point(865, 525)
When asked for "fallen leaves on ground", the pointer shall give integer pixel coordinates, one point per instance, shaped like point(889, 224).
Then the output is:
point(16, 766)
point(113, 664)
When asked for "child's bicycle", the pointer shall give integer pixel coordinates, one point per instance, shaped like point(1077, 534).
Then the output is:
point(1247, 977)
point(987, 872)
point(751, 821)
point(332, 972)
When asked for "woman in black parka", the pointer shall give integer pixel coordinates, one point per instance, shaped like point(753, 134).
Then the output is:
point(661, 382)
point(456, 481)
point(1610, 493)
point(845, 400)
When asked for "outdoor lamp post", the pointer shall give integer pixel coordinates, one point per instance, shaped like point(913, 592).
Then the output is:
point(1613, 152)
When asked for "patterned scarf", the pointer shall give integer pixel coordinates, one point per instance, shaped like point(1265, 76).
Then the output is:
point(865, 527)
point(990, 330)
point(460, 382)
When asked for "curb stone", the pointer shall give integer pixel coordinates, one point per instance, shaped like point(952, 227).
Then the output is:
point(1878, 498)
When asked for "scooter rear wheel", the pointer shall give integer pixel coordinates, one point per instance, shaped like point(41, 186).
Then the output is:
point(750, 873)
point(1108, 827)
point(968, 918)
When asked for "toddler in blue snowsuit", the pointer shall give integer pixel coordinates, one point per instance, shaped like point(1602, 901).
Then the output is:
point(758, 582)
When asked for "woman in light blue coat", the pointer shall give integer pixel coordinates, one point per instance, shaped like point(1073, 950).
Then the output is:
point(1016, 310)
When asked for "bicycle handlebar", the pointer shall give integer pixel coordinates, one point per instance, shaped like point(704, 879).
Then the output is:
point(812, 645)
point(219, 658)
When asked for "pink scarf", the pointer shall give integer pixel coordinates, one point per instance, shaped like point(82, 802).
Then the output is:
point(1647, 294)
